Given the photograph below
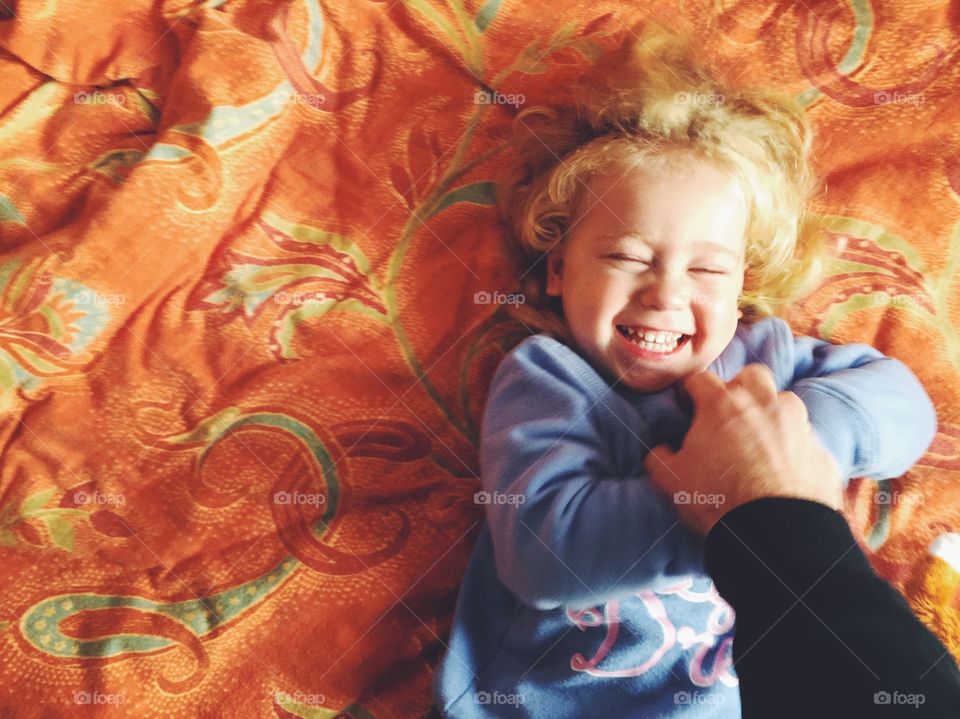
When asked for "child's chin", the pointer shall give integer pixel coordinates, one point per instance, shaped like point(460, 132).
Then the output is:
point(650, 385)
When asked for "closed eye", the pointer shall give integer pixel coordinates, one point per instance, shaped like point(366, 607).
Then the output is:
point(709, 271)
point(626, 258)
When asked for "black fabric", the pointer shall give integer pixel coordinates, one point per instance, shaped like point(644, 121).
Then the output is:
point(818, 633)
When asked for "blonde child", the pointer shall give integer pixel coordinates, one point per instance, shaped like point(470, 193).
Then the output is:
point(656, 226)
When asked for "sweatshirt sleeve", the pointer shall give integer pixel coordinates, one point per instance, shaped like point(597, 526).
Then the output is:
point(819, 634)
point(868, 410)
point(565, 528)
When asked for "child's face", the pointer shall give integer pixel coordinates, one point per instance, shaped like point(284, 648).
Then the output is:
point(657, 249)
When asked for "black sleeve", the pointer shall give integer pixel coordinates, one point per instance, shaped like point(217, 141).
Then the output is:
point(818, 634)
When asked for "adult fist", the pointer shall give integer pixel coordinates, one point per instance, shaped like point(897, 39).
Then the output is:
point(746, 441)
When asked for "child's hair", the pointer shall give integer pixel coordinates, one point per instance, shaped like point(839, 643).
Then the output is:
point(651, 94)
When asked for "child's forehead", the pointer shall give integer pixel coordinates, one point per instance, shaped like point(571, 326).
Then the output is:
point(623, 199)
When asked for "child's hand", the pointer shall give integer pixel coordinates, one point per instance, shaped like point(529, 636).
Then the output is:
point(746, 441)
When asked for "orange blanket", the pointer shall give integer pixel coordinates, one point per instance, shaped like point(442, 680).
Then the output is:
point(248, 253)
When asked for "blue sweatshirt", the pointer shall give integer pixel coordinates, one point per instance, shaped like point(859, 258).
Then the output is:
point(585, 595)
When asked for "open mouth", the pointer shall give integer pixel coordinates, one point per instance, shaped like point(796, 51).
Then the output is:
point(652, 340)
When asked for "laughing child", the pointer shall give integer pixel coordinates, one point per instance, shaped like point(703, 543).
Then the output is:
point(657, 225)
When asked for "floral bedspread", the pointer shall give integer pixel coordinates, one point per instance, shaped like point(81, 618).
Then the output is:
point(250, 301)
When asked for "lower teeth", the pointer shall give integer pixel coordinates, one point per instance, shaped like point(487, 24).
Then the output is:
point(656, 347)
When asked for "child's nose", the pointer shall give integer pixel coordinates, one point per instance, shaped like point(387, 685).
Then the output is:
point(666, 291)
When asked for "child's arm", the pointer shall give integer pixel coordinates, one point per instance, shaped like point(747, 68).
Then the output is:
point(870, 411)
point(565, 528)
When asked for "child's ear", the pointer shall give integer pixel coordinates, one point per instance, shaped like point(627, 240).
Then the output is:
point(739, 314)
point(555, 272)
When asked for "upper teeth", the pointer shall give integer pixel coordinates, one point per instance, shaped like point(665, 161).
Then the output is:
point(659, 336)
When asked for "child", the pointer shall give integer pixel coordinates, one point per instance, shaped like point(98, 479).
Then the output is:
point(657, 227)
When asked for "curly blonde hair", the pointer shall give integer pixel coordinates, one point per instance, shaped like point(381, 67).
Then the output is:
point(650, 94)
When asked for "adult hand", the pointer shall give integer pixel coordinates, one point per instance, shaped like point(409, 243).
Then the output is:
point(746, 441)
